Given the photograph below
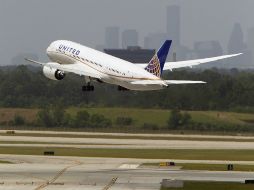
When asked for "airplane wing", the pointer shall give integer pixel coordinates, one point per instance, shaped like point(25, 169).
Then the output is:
point(165, 82)
point(76, 68)
point(190, 63)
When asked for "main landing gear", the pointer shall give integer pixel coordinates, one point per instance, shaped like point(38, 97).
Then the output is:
point(88, 88)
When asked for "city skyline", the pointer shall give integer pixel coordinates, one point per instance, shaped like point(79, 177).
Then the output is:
point(35, 24)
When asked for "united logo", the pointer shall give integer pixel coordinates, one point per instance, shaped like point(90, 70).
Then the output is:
point(154, 66)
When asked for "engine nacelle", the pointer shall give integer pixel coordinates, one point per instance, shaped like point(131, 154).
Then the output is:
point(51, 73)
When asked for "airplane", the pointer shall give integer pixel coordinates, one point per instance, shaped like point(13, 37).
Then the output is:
point(93, 65)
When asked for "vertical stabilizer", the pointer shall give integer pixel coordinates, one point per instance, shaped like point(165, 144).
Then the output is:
point(156, 64)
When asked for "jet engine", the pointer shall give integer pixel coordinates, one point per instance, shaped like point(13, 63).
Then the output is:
point(52, 73)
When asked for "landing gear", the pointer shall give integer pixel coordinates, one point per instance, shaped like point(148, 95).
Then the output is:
point(88, 88)
point(120, 88)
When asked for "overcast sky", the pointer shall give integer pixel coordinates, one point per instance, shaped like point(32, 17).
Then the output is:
point(28, 26)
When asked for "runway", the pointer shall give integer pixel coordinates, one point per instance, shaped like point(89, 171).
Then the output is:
point(122, 143)
point(53, 173)
point(59, 172)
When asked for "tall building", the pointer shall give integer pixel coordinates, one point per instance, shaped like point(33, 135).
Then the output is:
point(112, 37)
point(129, 38)
point(236, 41)
point(250, 42)
point(132, 54)
point(236, 44)
point(206, 49)
point(173, 24)
point(155, 40)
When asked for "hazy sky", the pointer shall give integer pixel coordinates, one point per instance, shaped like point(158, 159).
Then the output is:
point(28, 26)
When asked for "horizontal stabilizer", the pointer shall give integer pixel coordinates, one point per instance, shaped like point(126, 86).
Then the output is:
point(149, 82)
point(183, 82)
point(165, 82)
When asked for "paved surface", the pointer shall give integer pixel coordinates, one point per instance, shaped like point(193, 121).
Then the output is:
point(57, 173)
point(124, 143)
point(53, 173)
point(129, 134)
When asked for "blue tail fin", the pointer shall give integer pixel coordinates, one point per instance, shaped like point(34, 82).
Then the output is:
point(156, 64)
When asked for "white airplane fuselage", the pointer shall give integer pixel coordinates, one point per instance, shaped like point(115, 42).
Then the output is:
point(112, 70)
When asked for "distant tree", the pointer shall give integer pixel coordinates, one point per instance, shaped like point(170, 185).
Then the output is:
point(124, 121)
point(174, 120)
point(82, 119)
point(100, 121)
point(18, 120)
point(44, 118)
point(59, 116)
point(178, 120)
point(186, 118)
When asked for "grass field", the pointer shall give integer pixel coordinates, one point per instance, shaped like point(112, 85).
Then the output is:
point(160, 117)
point(213, 186)
point(209, 167)
point(216, 167)
point(233, 155)
point(5, 162)
point(140, 116)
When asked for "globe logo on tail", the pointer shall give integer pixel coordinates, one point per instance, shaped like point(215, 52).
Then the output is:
point(154, 66)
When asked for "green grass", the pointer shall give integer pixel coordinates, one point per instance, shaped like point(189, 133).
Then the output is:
point(140, 116)
point(209, 167)
point(160, 117)
point(52, 143)
point(5, 162)
point(216, 167)
point(213, 186)
point(233, 155)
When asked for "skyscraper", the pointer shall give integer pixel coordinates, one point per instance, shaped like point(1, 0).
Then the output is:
point(173, 24)
point(236, 44)
point(129, 38)
point(204, 49)
point(236, 41)
point(112, 37)
point(155, 40)
point(251, 44)
point(251, 40)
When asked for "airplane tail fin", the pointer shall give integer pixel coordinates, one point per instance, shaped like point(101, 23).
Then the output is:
point(156, 64)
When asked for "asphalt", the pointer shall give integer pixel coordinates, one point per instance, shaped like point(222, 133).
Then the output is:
point(123, 143)
point(237, 137)
point(53, 173)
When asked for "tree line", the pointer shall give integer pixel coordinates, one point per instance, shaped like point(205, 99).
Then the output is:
point(225, 90)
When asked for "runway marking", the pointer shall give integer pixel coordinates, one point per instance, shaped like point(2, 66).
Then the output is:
point(111, 183)
point(129, 166)
point(42, 186)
